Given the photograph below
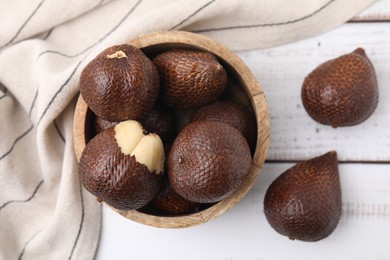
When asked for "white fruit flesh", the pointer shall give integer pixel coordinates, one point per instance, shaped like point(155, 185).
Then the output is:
point(150, 152)
point(128, 134)
point(147, 149)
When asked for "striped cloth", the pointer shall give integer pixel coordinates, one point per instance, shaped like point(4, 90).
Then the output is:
point(45, 44)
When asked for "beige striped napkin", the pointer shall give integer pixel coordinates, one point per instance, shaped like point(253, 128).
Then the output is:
point(44, 45)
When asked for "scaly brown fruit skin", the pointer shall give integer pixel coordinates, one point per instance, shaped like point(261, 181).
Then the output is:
point(169, 202)
point(159, 120)
point(304, 202)
point(208, 161)
point(190, 78)
point(121, 83)
point(100, 125)
point(342, 91)
point(231, 113)
point(114, 177)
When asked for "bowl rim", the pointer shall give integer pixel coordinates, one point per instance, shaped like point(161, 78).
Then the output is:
point(258, 102)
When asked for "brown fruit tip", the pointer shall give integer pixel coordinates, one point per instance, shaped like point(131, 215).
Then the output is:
point(360, 51)
point(329, 158)
point(331, 154)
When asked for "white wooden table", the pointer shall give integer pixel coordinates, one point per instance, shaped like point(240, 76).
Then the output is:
point(364, 152)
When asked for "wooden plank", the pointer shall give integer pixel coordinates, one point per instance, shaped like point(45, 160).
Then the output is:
point(281, 71)
point(378, 11)
point(244, 233)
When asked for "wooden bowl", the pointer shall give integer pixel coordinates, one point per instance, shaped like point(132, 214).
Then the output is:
point(242, 87)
